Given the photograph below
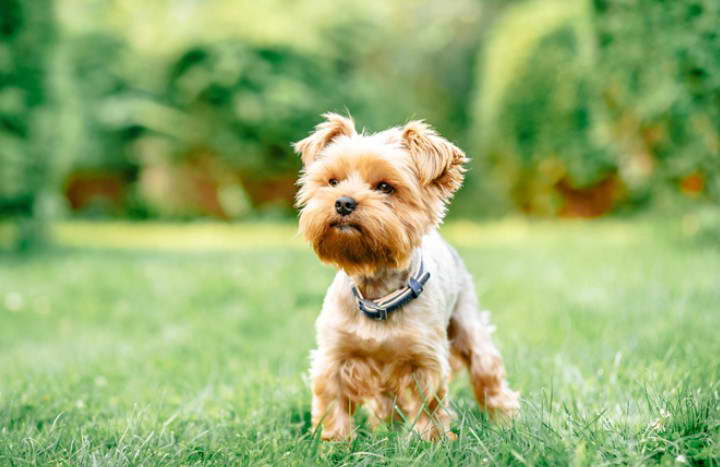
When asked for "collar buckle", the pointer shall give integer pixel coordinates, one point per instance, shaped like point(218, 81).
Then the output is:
point(415, 287)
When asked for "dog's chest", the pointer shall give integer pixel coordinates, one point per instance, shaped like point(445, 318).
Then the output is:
point(382, 349)
point(382, 363)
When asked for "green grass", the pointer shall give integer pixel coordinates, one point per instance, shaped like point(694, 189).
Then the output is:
point(159, 344)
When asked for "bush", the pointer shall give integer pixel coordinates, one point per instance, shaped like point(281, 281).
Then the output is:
point(29, 162)
point(608, 92)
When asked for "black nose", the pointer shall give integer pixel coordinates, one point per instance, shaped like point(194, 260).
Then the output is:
point(345, 205)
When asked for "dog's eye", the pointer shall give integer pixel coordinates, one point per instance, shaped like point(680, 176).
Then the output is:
point(384, 187)
point(333, 181)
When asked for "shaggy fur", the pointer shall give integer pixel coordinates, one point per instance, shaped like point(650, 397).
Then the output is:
point(401, 365)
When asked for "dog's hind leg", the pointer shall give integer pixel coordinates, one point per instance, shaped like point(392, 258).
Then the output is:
point(470, 335)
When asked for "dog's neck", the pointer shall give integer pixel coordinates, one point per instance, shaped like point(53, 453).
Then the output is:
point(386, 280)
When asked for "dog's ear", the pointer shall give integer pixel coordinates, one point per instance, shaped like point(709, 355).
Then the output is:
point(438, 162)
point(325, 132)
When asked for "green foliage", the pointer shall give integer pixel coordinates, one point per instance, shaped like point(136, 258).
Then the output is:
point(602, 89)
point(36, 129)
point(552, 99)
point(235, 104)
point(662, 74)
point(24, 55)
point(197, 354)
point(248, 103)
point(97, 65)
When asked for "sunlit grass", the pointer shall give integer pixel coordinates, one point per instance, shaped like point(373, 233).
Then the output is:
point(182, 344)
point(217, 236)
point(186, 237)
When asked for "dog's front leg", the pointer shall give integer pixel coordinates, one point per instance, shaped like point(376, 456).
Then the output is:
point(426, 404)
point(331, 408)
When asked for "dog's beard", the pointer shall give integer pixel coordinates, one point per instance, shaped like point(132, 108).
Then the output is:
point(362, 243)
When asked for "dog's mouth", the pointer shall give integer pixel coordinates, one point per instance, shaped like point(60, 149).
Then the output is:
point(345, 227)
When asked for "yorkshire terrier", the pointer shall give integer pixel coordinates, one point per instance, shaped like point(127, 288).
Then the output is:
point(401, 314)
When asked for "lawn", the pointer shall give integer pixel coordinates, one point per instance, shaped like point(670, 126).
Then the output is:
point(183, 344)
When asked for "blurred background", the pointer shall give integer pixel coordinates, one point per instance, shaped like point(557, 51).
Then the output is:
point(164, 316)
point(178, 110)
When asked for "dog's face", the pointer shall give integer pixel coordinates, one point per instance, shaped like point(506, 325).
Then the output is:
point(367, 200)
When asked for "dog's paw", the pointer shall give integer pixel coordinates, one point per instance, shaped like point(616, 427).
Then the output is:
point(504, 406)
point(337, 436)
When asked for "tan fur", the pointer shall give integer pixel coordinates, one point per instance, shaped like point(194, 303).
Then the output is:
point(399, 368)
point(325, 132)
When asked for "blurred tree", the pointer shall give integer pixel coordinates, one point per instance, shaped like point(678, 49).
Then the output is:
point(248, 103)
point(103, 169)
point(582, 104)
point(33, 147)
point(661, 92)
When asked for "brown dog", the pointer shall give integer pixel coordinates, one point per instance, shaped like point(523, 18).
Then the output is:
point(370, 206)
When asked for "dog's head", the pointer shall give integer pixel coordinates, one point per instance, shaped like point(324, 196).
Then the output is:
point(367, 200)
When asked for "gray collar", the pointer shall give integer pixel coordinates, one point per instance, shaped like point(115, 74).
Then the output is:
point(379, 309)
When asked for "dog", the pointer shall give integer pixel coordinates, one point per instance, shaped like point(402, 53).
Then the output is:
point(401, 315)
